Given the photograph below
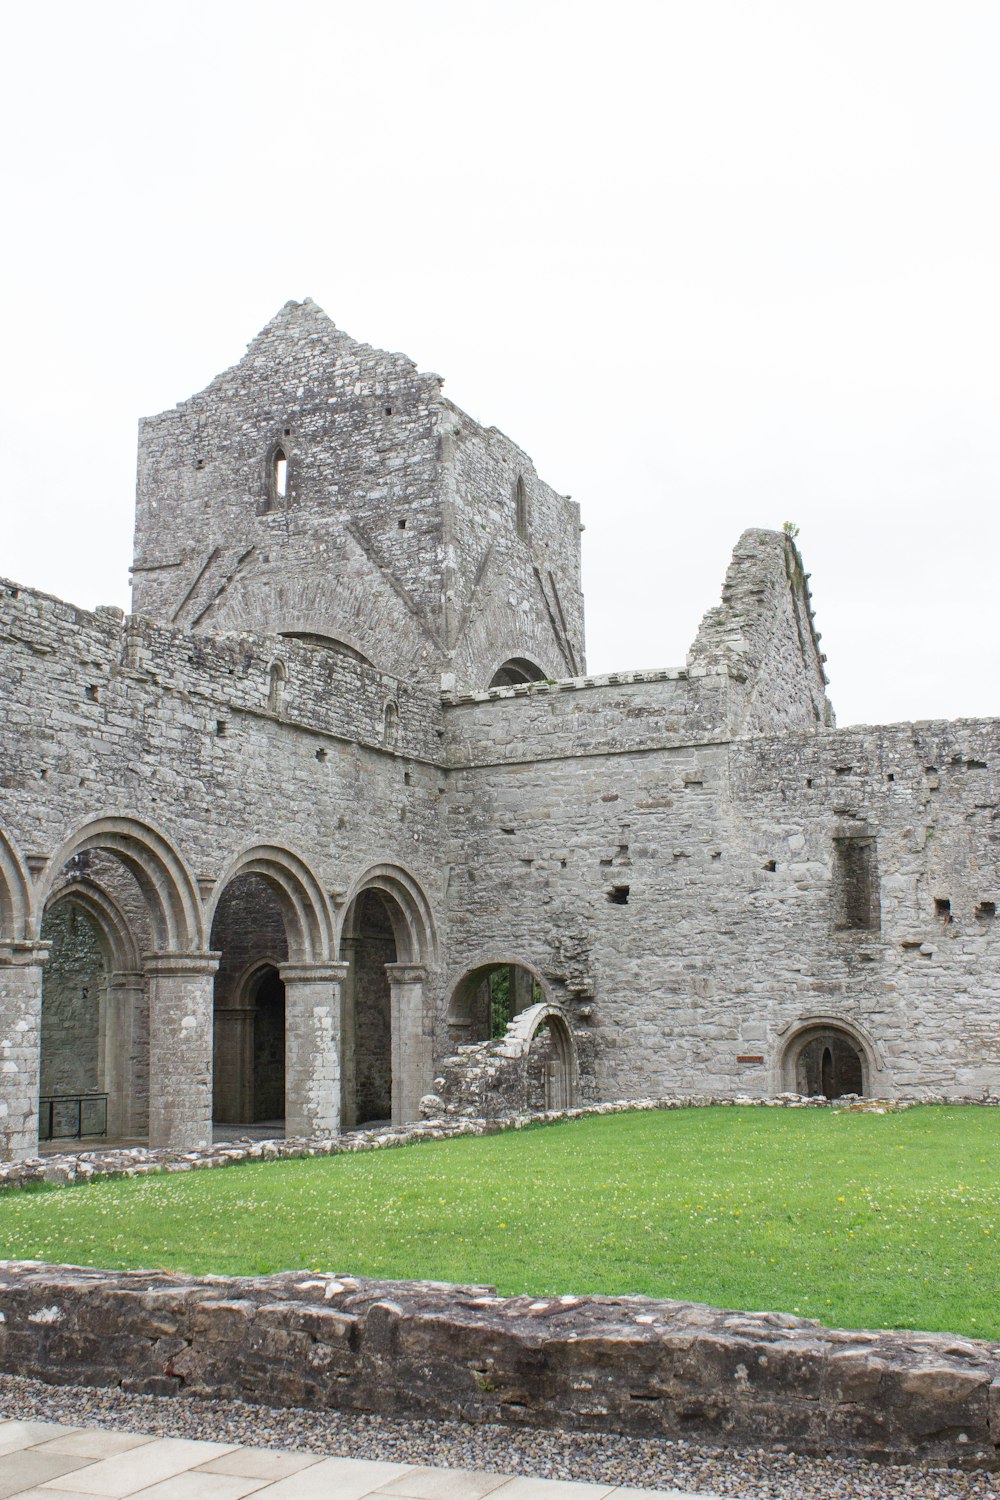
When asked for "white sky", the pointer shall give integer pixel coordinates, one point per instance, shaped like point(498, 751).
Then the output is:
point(712, 264)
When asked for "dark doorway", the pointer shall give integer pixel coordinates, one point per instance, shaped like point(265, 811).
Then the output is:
point(830, 1065)
point(268, 1048)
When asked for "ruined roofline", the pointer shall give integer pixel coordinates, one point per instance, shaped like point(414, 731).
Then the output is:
point(323, 326)
point(721, 627)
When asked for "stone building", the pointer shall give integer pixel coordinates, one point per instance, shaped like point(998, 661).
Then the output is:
point(339, 801)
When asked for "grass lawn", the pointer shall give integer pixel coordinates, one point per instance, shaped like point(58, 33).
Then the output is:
point(860, 1220)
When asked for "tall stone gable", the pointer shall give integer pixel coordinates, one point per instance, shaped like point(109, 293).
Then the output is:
point(326, 490)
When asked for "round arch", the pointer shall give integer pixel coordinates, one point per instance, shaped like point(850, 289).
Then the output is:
point(462, 991)
point(552, 1068)
point(170, 891)
point(514, 671)
point(309, 923)
point(312, 630)
point(15, 894)
point(408, 909)
point(821, 1033)
point(116, 936)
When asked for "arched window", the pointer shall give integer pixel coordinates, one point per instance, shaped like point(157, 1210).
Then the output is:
point(521, 509)
point(276, 480)
point(390, 733)
point(279, 474)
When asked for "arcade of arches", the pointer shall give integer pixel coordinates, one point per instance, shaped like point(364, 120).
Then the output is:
point(275, 1033)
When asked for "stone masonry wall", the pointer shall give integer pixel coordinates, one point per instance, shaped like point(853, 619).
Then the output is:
point(683, 902)
point(630, 1364)
point(509, 594)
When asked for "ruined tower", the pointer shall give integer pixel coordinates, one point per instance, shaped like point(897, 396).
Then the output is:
point(325, 490)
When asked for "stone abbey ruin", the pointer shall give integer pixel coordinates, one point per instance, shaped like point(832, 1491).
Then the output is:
point(267, 843)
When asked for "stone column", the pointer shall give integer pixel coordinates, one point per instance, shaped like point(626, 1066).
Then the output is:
point(312, 1047)
point(126, 990)
point(233, 1064)
point(180, 1048)
point(349, 1035)
point(20, 1046)
point(412, 1040)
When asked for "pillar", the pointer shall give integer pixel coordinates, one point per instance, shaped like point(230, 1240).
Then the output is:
point(180, 1048)
point(348, 1034)
point(412, 1040)
point(20, 1046)
point(313, 996)
point(123, 1053)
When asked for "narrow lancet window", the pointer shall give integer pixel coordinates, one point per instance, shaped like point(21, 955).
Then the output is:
point(279, 474)
point(521, 509)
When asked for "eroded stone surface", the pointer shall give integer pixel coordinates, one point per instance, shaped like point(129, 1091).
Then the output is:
point(626, 1365)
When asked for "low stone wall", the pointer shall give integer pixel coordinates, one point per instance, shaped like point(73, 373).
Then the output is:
point(63, 1168)
point(628, 1365)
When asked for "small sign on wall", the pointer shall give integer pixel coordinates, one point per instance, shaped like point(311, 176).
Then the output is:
point(750, 1057)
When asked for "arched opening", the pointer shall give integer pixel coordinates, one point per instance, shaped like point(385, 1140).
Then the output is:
point(516, 670)
point(550, 1069)
point(279, 474)
point(368, 946)
point(387, 940)
point(827, 1061)
point(248, 932)
point(115, 890)
point(326, 643)
point(74, 1082)
point(487, 999)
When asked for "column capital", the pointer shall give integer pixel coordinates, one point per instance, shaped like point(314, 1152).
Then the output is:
point(24, 955)
point(406, 973)
point(163, 964)
point(330, 971)
point(127, 978)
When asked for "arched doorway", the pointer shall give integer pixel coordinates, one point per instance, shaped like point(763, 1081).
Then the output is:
point(387, 940)
point(550, 1068)
point(826, 1060)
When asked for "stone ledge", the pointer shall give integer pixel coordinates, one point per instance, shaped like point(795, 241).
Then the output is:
point(631, 1365)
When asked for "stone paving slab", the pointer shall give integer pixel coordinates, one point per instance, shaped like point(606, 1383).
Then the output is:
point(45, 1461)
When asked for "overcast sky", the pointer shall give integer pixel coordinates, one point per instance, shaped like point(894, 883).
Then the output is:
point(714, 265)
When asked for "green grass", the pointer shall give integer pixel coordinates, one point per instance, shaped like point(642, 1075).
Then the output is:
point(860, 1220)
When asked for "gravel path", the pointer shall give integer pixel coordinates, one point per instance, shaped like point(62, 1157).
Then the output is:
point(752, 1475)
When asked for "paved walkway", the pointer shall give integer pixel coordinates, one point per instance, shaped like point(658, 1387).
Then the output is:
point(45, 1461)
